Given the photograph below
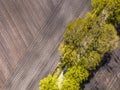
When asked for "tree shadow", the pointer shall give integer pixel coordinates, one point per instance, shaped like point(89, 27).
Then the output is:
point(117, 27)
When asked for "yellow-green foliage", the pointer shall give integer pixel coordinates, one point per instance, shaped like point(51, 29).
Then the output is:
point(74, 77)
point(108, 39)
point(77, 73)
point(49, 83)
point(70, 84)
point(90, 60)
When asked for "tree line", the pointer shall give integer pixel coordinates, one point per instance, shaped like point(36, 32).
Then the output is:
point(85, 42)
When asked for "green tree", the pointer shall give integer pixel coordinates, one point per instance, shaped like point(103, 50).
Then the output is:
point(69, 84)
point(49, 83)
point(74, 77)
point(77, 73)
point(90, 60)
